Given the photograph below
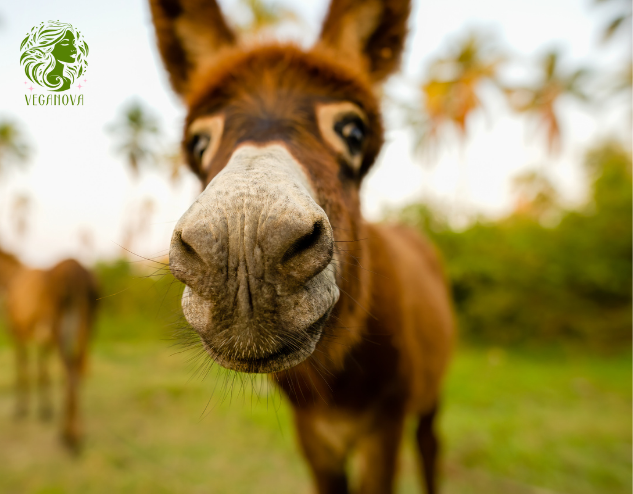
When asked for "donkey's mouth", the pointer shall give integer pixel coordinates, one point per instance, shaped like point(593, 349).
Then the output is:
point(289, 353)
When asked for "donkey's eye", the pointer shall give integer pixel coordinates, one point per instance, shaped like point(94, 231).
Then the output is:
point(203, 138)
point(352, 130)
point(199, 145)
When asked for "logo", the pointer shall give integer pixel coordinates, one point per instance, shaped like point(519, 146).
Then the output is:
point(54, 55)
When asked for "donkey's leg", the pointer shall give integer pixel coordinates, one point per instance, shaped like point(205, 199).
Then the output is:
point(428, 446)
point(378, 454)
point(326, 455)
point(71, 331)
point(21, 379)
point(44, 382)
point(71, 427)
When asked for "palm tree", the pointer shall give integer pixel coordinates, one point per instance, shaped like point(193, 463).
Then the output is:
point(451, 92)
point(13, 146)
point(450, 97)
point(621, 81)
point(136, 131)
point(541, 100)
point(264, 15)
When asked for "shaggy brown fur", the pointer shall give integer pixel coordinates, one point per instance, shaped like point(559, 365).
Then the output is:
point(9, 267)
point(387, 342)
point(51, 309)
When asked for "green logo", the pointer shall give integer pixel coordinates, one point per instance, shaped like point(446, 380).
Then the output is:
point(53, 55)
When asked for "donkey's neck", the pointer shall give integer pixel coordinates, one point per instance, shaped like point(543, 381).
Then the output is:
point(347, 327)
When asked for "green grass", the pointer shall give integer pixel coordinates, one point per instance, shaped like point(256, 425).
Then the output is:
point(513, 422)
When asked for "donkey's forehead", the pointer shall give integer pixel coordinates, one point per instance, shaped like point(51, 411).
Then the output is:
point(276, 74)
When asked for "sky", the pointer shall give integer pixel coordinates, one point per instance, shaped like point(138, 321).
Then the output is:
point(79, 187)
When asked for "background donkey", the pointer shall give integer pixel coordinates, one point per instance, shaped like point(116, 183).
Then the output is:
point(52, 308)
point(282, 275)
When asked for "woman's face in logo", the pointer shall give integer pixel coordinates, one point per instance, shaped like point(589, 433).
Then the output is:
point(65, 51)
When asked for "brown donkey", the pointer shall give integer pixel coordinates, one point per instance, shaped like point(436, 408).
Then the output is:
point(283, 276)
point(53, 308)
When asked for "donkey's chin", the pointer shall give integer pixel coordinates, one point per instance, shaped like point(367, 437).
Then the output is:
point(264, 341)
point(286, 355)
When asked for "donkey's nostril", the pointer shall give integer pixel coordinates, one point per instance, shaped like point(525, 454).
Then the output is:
point(304, 243)
point(185, 248)
point(308, 250)
point(185, 261)
point(188, 248)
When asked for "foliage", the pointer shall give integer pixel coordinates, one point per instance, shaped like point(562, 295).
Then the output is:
point(536, 195)
point(541, 100)
point(620, 21)
point(621, 81)
point(132, 296)
point(13, 146)
point(517, 281)
point(451, 92)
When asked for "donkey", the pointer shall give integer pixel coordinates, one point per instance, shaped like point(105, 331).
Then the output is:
point(53, 308)
point(351, 320)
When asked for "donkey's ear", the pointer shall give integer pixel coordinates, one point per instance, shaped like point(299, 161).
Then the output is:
point(190, 34)
point(371, 32)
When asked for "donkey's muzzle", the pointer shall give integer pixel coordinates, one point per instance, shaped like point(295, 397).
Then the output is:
point(256, 253)
point(203, 254)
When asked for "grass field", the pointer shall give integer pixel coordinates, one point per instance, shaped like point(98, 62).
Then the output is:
point(513, 422)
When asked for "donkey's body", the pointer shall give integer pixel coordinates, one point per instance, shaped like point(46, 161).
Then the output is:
point(52, 309)
point(394, 370)
point(283, 276)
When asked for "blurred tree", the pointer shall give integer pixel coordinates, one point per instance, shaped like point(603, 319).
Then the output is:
point(14, 148)
point(516, 281)
point(542, 100)
point(138, 224)
point(609, 168)
point(622, 80)
point(20, 210)
point(14, 151)
point(451, 92)
point(625, 81)
point(264, 15)
point(537, 197)
point(132, 293)
point(175, 162)
point(620, 21)
point(136, 131)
